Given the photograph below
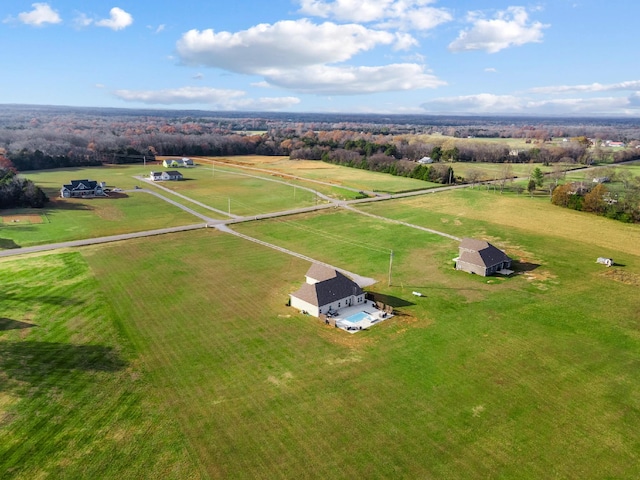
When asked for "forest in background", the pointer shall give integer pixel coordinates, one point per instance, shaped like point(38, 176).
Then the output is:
point(36, 138)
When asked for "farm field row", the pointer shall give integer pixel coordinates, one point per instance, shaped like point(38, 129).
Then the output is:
point(474, 380)
point(337, 175)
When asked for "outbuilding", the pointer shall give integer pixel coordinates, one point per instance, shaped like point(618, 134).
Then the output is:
point(482, 258)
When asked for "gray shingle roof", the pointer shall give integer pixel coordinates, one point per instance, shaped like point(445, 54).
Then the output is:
point(479, 252)
point(328, 290)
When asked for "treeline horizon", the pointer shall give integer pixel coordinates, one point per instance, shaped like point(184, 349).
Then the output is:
point(36, 138)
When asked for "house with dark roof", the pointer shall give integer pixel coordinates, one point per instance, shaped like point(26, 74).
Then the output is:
point(83, 189)
point(481, 258)
point(326, 290)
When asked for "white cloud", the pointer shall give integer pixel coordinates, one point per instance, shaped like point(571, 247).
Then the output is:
point(489, 104)
point(398, 14)
point(82, 20)
point(285, 44)
point(510, 27)
point(329, 80)
point(118, 19)
point(41, 14)
point(217, 98)
point(490, 70)
point(633, 85)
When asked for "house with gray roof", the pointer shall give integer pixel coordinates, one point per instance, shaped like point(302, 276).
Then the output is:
point(481, 258)
point(326, 290)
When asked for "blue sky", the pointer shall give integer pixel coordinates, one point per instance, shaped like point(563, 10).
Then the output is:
point(559, 57)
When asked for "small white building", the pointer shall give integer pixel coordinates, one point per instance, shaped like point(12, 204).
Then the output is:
point(326, 290)
point(425, 160)
point(162, 176)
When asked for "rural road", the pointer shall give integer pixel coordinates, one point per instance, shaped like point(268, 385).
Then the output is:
point(98, 240)
point(359, 279)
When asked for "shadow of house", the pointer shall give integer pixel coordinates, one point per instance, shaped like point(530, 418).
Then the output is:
point(523, 266)
point(395, 302)
point(9, 324)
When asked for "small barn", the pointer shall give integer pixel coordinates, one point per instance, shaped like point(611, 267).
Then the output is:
point(326, 290)
point(482, 258)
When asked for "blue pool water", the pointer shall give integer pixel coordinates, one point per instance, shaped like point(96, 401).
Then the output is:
point(356, 317)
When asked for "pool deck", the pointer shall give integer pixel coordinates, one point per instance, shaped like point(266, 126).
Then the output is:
point(375, 316)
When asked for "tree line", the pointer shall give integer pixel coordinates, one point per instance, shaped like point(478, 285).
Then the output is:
point(16, 191)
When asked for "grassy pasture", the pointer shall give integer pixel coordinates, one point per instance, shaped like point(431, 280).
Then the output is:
point(74, 219)
point(467, 212)
point(220, 187)
point(334, 174)
point(74, 400)
point(194, 350)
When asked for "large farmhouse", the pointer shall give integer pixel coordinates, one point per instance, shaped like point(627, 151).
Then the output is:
point(326, 290)
point(481, 258)
point(83, 189)
point(161, 176)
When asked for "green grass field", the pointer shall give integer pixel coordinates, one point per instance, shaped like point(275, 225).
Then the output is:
point(150, 360)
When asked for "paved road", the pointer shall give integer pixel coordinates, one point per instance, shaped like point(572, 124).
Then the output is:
point(96, 241)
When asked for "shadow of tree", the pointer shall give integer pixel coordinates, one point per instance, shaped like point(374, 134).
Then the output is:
point(31, 294)
point(7, 243)
point(9, 324)
point(34, 362)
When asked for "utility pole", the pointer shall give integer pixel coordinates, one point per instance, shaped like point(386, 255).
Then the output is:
point(390, 265)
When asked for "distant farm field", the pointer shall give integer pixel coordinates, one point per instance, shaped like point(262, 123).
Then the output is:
point(336, 175)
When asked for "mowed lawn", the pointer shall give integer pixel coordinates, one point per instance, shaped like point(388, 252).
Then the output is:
point(481, 378)
point(337, 175)
point(240, 192)
point(533, 376)
point(75, 401)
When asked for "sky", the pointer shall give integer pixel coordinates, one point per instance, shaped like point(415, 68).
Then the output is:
point(473, 57)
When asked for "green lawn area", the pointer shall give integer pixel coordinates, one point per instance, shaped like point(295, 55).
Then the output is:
point(334, 174)
point(226, 187)
point(75, 219)
point(194, 350)
point(75, 401)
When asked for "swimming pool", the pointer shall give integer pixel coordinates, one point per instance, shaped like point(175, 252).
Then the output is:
point(357, 317)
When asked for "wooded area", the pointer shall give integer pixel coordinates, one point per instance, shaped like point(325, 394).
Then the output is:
point(35, 138)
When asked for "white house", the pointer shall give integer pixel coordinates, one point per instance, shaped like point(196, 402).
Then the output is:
point(162, 176)
point(425, 160)
point(178, 162)
point(326, 290)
